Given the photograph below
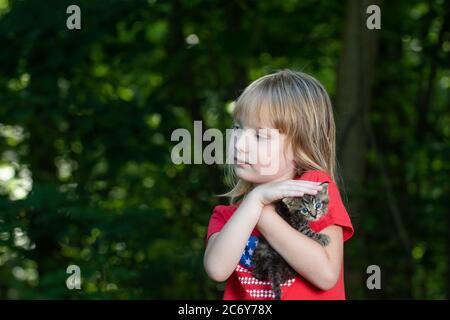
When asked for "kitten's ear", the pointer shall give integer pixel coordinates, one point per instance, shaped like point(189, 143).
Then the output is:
point(324, 187)
point(287, 201)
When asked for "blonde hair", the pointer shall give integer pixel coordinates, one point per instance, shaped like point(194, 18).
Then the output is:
point(297, 105)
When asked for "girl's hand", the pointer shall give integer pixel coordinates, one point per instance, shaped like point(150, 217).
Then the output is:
point(270, 192)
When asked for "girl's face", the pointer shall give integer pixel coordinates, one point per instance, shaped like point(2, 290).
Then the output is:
point(260, 154)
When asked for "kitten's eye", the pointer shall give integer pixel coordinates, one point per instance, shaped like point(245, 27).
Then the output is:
point(304, 210)
point(318, 205)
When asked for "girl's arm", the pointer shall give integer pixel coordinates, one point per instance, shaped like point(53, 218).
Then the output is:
point(319, 265)
point(224, 249)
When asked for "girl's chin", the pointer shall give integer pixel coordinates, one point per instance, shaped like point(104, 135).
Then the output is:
point(249, 175)
point(245, 172)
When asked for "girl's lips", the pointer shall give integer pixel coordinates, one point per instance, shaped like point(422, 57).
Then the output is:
point(240, 162)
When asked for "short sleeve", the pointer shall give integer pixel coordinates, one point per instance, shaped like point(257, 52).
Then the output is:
point(216, 221)
point(337, 213)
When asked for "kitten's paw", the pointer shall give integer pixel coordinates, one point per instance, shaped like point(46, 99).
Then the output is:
point(323, 239)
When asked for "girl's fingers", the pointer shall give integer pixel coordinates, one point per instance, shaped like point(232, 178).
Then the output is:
point(313, 187)
point(305, 183)
point(305, 188)
point(302, 182)
point(298, 193)
point(293, 194)
point(296, 188)
point(302, 190)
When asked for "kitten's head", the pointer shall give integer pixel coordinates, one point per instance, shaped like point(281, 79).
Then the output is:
point(312, 207)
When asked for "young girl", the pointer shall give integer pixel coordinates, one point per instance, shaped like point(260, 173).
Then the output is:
point(296, 106)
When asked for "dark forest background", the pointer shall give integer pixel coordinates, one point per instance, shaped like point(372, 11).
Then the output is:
point(86, 118)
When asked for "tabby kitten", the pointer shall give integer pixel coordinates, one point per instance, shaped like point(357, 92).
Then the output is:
point(298, 212)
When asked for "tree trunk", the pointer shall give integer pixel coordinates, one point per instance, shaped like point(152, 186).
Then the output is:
point(354, 83)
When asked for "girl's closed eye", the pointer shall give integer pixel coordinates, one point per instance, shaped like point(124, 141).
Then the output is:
point(260, 135)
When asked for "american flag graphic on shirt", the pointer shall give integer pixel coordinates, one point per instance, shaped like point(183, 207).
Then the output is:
point(254, 288)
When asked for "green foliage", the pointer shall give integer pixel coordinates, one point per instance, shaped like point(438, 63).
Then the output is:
point(86, 119)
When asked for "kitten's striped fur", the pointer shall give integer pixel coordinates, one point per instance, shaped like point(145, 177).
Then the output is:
point(298, 212)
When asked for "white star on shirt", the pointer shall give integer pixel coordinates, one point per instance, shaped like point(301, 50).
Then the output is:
point(247, 262)
point(250, 251)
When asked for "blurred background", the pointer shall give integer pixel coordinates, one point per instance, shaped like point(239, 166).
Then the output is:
point(86, 118)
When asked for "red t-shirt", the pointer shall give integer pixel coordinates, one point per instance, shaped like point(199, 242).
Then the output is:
point(241, 285)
